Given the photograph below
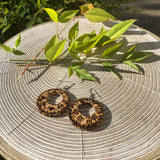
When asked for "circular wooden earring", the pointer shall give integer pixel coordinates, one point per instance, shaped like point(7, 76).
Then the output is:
point(82, 121)
point(49, 109)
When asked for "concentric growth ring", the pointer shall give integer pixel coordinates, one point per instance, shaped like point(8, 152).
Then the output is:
point(82, 121)
point(49, 109)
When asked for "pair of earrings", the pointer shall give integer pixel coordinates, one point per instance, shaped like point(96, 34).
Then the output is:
point(76, 117)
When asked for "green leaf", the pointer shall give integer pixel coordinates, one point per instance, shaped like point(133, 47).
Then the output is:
point(5, 28)
point(137, 56)
point(129, 53)
point(131, 64)
point(59, 11)
point(38, 3)
point(71, 51)
point(6, 48)
point(51, 43)
point(82, 38)
point(17, 52)
point(85, 46)
point(76, 65)
point(18, 41)
point(83, 74)
point(52, 13)
point(54, 51)
point(86, 37)
point(102, 30)
point(103, 40)
point(30, 23)
point(44, 2)
point(92, 43)
point(118, 29)
point(98, 15)
point(67, 15)
point(108, 41)
point(78, 47)
point(72, 45)
point(73, 32)
point(108, 66)
point(70, 71)
point(111, 51)
point(74, 55)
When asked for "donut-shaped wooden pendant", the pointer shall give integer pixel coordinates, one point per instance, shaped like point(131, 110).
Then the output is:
point(49, 109)
point(82, 121)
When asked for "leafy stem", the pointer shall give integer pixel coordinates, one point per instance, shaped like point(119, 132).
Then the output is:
point(81, 47)
point(32, 61)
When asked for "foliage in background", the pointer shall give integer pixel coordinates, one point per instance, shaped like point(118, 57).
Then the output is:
point(17, 15)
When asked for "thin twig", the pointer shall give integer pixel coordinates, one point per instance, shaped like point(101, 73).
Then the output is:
point(23, 60)
point(68, 24)
point(23, 65)
point(31, 62)
point(57, 29)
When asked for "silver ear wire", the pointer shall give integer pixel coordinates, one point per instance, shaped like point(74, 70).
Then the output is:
point(92, 95)
point(97, 93)
point(66, 86)
point(60, 82)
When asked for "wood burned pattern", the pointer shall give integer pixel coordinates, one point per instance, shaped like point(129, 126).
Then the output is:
point(82, 121)
point(49, 109)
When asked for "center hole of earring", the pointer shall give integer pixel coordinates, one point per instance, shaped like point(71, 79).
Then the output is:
point(54, 99)
point(87, 110)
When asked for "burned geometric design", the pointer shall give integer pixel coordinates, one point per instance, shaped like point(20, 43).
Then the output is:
point(52, 110)
point(82, 121)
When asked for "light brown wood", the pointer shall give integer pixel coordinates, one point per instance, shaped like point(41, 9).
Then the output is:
point(131, 126)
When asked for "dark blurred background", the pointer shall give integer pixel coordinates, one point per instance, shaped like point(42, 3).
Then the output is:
point(146, 11)
point(16, 16)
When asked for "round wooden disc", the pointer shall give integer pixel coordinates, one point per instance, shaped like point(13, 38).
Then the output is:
point(131, 125)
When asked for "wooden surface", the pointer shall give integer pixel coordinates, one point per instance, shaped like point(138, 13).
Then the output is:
point(131, 126)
